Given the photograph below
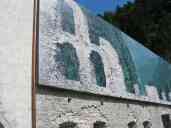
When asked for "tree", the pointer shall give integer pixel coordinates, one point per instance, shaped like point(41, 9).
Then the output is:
point(148, 21)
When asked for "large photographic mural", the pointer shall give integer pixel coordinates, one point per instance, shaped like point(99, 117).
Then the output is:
point(80, 51)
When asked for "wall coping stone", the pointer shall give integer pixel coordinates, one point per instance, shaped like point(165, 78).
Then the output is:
point(95, 89)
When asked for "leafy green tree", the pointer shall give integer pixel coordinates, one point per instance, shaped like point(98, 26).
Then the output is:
point(148, 21)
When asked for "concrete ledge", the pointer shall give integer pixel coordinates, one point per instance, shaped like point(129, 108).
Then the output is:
point(94, 89)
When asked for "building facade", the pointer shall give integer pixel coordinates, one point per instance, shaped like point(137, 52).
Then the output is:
point(90, 74)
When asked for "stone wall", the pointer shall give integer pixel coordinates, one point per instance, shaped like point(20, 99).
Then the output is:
point(16, 23)
point(56, 107)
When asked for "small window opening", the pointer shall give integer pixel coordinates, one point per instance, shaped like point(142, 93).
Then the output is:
point(147, 124)
point(166, 120)
point(99, 124)
point(132, 125)
point(68, 125)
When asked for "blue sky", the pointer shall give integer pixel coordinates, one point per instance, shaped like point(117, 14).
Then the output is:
point(99, 6)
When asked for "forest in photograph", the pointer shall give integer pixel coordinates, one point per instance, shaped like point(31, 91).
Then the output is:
point(147, 21)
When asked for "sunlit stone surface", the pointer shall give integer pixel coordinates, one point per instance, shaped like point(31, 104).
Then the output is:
point(16, 22)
